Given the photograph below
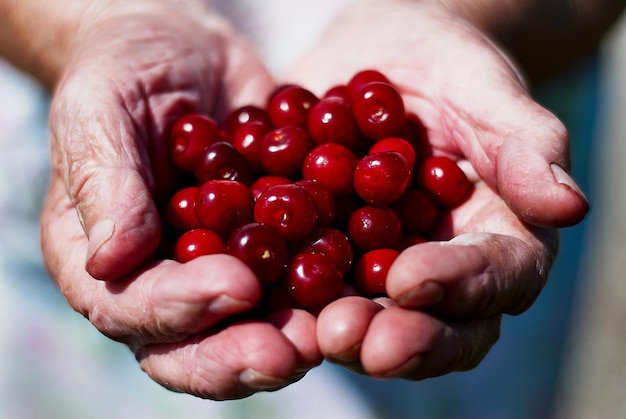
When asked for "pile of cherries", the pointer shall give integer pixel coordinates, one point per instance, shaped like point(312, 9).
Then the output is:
point(317, 195)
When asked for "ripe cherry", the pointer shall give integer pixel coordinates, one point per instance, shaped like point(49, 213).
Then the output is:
point(247, 141)
point(289, 209)
point(290, 105)
point(381, 178)
point(262, 183)
point(324, 201)
point(331, 121)
point(333, 166)
point(364, 77)
point(418, 211)
point(313, 280)
point(224, 205)
point(181, 209)
point(189, 136)
point(444, 180)
point(370, 271)
point(397, 144)
point(197, 242)
point(221, 161)
point(371, 227)
point(283, 150)
point(379, 110)
point(244, 115)
point(262, 249)
point(333, 243)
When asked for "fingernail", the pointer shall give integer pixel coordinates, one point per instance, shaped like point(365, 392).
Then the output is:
point(564, 178)
point(349, 355)
point(98, 236)
point(260, 381)
point(428, 293)
point(225, 304)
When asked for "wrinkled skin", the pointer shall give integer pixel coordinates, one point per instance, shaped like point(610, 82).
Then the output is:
point(100, 226)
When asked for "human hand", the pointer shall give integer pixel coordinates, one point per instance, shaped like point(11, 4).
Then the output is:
point(497, 248)
point(134, 68)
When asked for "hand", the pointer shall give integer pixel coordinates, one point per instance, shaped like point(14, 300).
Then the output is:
point(497, 248)
point(135, 67)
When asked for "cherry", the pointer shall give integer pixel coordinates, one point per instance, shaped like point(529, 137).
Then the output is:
point(409, 240)
point(181, 209)
point(262, 249)
point(290, 105)
point(289, 209)
point(333, 166)
point(189, 136)
point(444, 180)
point(313, 279)
point(244, 115)
point(397, 144)
point(364, 77)
point(283, 150)
point(324, 201)
point(370, 271)
point(418, 211)
point(379, 110)
point(247, 141)
point(371, 227)
point(264, 182)
point(331, 121)
point(221, 161)
point(224, 205)
point(381, 178)
point(333, 243)
point(197, 242)
point(340, 91)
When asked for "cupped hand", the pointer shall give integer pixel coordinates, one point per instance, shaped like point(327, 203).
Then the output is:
point(493, 252)
point(135, 67)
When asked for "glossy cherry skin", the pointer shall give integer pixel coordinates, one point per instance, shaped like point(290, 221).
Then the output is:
point(444, 180)
point(197, 242)
point(262, 183)
point(396, 144)
point(379, 110)
point(324, 201)
point(340, 91)
point(371, 227)
point(262, 249)
point(189, 136)
point(364, 77)
point(418, 211)
point(221, 161)
point(313, 280)
point(290, 105)
point(333, 243)
point(283, 150)
point(371, 269)
point(289, 209)
point(331, 121)
point(331, 165)
point(224, 205)
point(247, 141)
point(244, 115)
point(181, 209)
point(382, 178)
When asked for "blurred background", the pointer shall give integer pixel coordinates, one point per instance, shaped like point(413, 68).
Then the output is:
point(563, 358)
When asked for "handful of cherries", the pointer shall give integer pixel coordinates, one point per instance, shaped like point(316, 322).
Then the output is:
point(317, 195)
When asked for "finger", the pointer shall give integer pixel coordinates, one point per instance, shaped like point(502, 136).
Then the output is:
point(233, 363)
point(415, 345)
point(164, 301)
point(477, 274)
point(296, 326)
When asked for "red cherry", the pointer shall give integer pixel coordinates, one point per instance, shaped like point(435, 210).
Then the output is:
point(418, 211)
point(379, 110)
point(409, 240)
point(396, 144)
point(244, 115)
point(247, 141)
point(261, 248)
point(324, 201)
point(289, 209)
point(224, 205)
point(333, 243)
point(372, 227)
point(340, 91)
point(331, 121)
point(331, 165)
point(381, 178)
point(197, 242)
point(189, 136)
point(444, 180)
point(221, 161)
point(262, 183)
point(313, 280)
point(283, 150)
point(364, 77)
point(370, 271)
point(181, 209)
point(290, 105)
